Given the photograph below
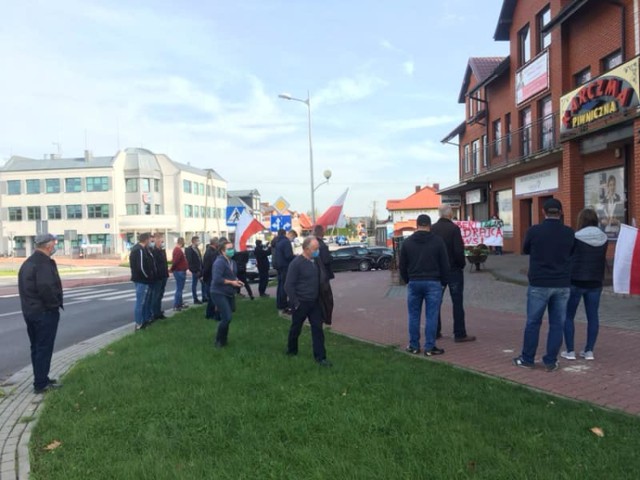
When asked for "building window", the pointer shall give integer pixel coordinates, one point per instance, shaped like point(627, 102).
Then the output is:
point(131, 185)
point(208, 190)
point(582, 77)
point(52, 185)
point(73, 185)
point(475, 155)
point(156, 185)
point(33, 186)
point(34, 213)
point(13, 187)
point(145, 185)
point(74, 212)
point(133, 209)
point(524, 45)
point(544, 38)
point(99, 239)
point(547, 131)
point(97, 184)
point(467, 159)
point(202, 212)
point(15, 214)
point(196, 212)
point(612, 61)
point(158, 209)
point(507, 130)
point(202, 189)
point(525, 125)
point(54, 212)
point(188, 211)
point(98, 211)
point(147, 209)
point(485, 151)
point(497, 138)
point(186, 186)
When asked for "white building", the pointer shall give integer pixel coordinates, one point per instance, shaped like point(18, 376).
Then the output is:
point(101, 204)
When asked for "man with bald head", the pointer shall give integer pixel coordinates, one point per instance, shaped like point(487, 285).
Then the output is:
point(450, 233)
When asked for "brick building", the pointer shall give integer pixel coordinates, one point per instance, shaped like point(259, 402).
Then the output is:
point(556, 118)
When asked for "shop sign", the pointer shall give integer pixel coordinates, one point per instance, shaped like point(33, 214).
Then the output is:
point(604, 101)
point(533, 78)
point(451, 200)
point(538, 182)
point(473, 196)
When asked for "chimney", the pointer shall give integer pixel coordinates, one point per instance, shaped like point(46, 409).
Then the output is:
point(88, 156)
point(418, 188)
point(436, 187)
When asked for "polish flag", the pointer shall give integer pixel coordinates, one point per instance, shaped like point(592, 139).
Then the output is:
point(333, 215)
point(626, 263)
point(246, 227)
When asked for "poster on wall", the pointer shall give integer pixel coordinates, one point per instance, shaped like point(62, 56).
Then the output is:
point(488, 233)
point(505, 211)
point(604, 192)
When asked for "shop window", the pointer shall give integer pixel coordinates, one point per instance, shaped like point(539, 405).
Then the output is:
point(612, 61)
point(544, 38)
point(524, 45)
point(582, 77)
point(525, 124)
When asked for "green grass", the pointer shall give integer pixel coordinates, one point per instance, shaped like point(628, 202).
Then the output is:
point(8, 273)
point(164, 404)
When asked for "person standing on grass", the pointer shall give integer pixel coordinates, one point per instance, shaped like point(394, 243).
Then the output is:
point(40, 292)
point(179, 266)
point(194, 257)
point(587, 273)
point(424, 267)
point(262, 263)
point(223, 290)
point(241, 259)
point(162, 270)
point(326, 274)
point(303, 288)
point(210, 255)
point(143, 274)
point(284, 256)
point(450, 233)
point(549, 245)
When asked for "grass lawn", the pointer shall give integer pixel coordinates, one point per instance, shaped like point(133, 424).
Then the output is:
point(8, 273)
point(164, 404)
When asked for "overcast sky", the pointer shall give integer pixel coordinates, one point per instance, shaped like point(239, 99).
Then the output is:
point(199, 81)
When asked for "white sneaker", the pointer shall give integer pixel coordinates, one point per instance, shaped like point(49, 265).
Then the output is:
point(587, 355)
point(568, 355)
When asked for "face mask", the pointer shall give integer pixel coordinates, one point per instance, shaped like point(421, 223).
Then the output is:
point(315, 254)
point(54, 250)
point(152, 244)
point(230, 252)
point(161, 244)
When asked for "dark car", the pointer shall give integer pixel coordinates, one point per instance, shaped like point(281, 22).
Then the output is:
point(355, 258)
point(383, 255)
point(252, 268)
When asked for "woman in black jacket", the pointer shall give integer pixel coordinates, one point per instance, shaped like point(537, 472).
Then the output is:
point(587, 273)
point(223, 289)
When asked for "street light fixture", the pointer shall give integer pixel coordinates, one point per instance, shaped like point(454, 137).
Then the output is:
point(327, 175)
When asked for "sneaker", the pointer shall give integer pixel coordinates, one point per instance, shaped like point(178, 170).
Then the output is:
point(197, 302)
point(141, 327)
point(433, 351)
point(265, 295)
point(411, 349)
point(47, 388)
point(552, 367)
point(588, 355)
point(519, 362)
point(569, 355)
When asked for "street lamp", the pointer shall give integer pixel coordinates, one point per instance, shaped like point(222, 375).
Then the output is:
point(327, 175)
point(307, 102)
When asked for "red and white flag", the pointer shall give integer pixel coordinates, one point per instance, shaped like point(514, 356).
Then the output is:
point(626, 263)
point(246, 227)
point(333, 215)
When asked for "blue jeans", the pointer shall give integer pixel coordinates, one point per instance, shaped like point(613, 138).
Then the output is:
point(181, 278)
point(142, 311)
point(429, 291)
point(224, 305)
point(194, 287)
point(591, 298)
point(42, 328)
point(538, 299)
point(157, 294)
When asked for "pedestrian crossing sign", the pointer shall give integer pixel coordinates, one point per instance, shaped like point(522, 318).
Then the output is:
point(233, 215)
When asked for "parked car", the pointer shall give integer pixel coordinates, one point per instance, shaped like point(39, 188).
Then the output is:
point(357, 258)
point(384, 256)
point(252, 268)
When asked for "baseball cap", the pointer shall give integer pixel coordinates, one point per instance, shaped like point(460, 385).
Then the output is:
point(43, 238)
point(553, 204)
point(423, 220)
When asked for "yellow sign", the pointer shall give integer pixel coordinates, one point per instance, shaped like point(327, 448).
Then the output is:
point(281, 205)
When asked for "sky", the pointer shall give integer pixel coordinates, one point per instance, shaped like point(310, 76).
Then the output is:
point(199, 81)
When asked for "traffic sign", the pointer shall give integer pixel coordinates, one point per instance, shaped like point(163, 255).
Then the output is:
point(280, 221)
point(281, 205)
point(233, 215)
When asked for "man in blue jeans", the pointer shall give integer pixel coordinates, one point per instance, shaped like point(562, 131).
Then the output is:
point(424, 266)
point(143, 274)
point(549, 245)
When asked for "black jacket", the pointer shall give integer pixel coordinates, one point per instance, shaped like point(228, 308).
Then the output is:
point(284, 253)
point(262, 258)
point(589, 258)
point(241, 259)
point(210, 255)
point(450, 233)
point(39, 285)
point(326, 258)
point(423, 256)
point(160, 260)
point(549, 246)
point(142, 263)
point(194, 258)
point(303, 281)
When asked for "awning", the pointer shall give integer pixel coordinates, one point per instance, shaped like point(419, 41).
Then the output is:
point(462, 187)
point(457, 131)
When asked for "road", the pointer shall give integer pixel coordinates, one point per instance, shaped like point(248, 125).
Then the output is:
point(88, 311)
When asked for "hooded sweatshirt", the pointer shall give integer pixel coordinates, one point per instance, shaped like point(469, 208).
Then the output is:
point(423, 256)
point(589, 258)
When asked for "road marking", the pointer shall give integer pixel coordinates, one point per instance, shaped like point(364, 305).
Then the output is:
point(89, 292)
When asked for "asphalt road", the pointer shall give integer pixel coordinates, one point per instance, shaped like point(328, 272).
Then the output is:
point(88, 311)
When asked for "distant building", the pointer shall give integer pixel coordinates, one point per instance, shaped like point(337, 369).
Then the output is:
point(404, 212)
point(248, 198)
point(101, 204)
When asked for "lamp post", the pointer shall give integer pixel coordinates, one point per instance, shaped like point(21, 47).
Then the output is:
point(307, 102)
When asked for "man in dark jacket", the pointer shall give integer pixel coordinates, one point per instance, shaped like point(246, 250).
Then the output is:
point(549, 245)
point(326, 275)
point(40, 291)
point(450, 233)
point(424, 266)
point(143, 274)
point(162, 275)
point(284, 256)
point(241, 259)
point(194, 257)
point(262, 263)
point(210, 256)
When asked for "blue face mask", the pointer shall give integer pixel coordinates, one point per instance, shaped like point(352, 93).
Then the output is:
point(230, 252)
point(316, 254)
point(152, 244)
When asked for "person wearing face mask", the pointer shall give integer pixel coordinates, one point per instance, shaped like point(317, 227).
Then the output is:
point(143, 274)
point(40, 292)
point(224, 282)
point(302, 285)
point(162, 271)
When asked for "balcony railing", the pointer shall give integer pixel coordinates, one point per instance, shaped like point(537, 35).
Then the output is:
point(533, 140)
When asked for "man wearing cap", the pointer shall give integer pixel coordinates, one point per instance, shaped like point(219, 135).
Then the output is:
point(40, 291)
point(549, 246)
point(424, 267)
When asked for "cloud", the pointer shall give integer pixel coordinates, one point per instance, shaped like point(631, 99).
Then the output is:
point(409, 67)
point(348, 89)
